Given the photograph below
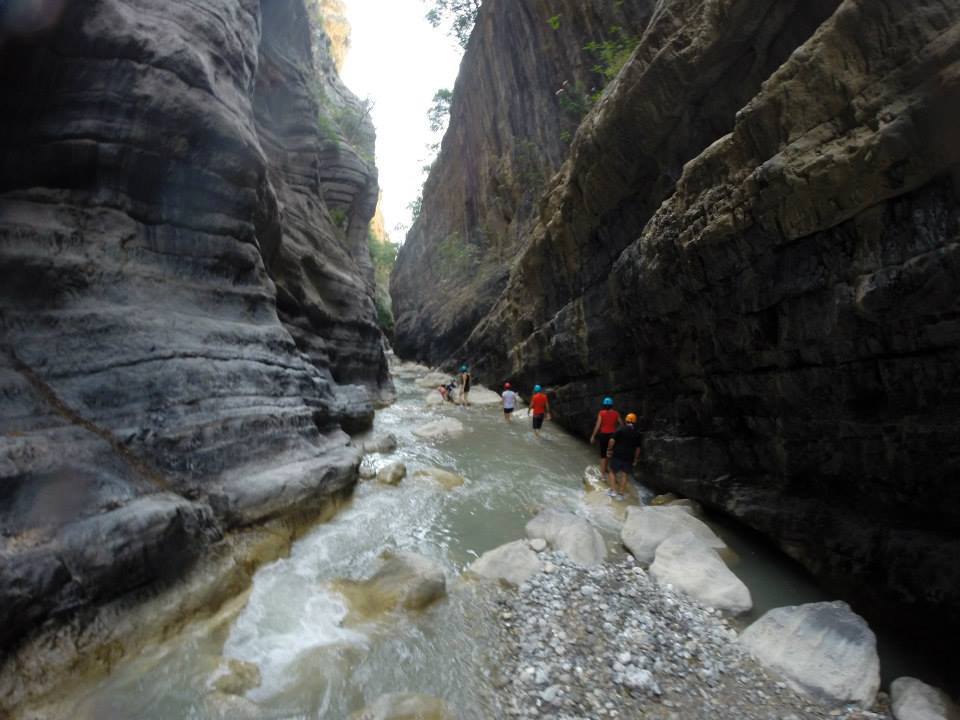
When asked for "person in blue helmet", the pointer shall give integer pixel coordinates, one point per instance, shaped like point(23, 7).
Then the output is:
point(540, 408)
point(465, 385)
point(608, 422)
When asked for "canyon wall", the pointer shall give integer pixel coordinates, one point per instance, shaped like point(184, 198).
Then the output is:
point(753, 243)
point(186, 295)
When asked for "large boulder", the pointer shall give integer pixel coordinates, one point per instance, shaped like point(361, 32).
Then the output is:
point(439, 428)
point(512, 563)
point(479, 395)
point(822, 649)
point(445, 478)
point(434, 380)
point(913, 699)
point(569, 534)
point(404, 580)
point(406, 706)
point(685, 562)
point(646, 527)
point(392, 474)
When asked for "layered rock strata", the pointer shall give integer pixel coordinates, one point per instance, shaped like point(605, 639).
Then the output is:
point(753, 243)
point(164, 179)
point(520, 95)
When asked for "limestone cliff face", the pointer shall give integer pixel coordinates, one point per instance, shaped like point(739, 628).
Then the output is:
point(517, 102)
point(753, 243)
point(167, 180)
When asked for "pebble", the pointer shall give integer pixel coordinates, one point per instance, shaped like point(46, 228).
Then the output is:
point(642, 651)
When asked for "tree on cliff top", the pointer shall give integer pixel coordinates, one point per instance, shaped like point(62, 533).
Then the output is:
point(461, 14)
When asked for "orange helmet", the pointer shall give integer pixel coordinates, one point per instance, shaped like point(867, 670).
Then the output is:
point(631, 418)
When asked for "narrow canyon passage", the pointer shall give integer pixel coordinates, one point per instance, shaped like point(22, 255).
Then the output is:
point(316, 661)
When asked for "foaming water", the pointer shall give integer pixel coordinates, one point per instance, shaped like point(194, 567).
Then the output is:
point(294, 626)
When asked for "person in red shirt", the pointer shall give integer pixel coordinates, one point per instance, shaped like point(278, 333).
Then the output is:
point(608, 422)
point(540, 408)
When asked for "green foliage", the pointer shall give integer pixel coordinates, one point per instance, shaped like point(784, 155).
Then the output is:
point(351, 119)
point(416, 206)
point(613, 52)
point(554, 22)
point(439, 113)
point(454, 255)
point(529, 167)
point(339, 218)
point(383, 255)
point(460, 15)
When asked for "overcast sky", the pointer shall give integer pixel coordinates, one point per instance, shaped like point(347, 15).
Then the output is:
point(398, 61)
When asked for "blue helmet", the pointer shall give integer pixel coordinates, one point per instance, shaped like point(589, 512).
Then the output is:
point(463, 368)
point(608, 402)
point(537, 388)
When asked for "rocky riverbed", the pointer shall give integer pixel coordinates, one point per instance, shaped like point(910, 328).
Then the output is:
point(610, 642)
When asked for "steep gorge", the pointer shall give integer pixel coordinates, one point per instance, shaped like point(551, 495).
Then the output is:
point(751, 241)
point(186, 293)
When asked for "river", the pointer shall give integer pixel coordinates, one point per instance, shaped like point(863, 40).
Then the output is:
point(292, 625)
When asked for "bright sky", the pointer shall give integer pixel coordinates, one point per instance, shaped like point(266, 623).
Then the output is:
point(399, 61)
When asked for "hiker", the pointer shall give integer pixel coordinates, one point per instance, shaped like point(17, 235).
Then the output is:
point(464, 385)
point(540, 408)
point(446, 391)
point(509, 402)
point(623, 453)
point(608, 422)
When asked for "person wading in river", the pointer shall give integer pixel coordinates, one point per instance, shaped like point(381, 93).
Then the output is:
point(623, 453)
point(464, 385)
point(540, 408)
point(608, 422)
point(509, 401)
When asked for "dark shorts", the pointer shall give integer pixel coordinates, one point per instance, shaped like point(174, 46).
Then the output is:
point(620, 466)
point(507, 411)
point(538, 421)
point(603, 439)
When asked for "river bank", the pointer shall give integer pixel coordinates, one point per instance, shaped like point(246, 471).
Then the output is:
point(306, 653)
point(609, 642)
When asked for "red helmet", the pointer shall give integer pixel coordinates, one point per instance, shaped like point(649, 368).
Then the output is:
point(506, 386)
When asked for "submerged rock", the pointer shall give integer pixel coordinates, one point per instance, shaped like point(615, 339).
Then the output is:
point(433, 380)
point(823, 649)
point(406, 706)
point(386, 443)
point(514, 563)
point(434, 399)
point(913, 699)
point(392, 474)
point(646, 527)
point(447, 479)
point(479, 395)
point(692, 567)
point(236, 677)
point(439, 428)
point(404, 580)
point(224, 706)
point(569, 534)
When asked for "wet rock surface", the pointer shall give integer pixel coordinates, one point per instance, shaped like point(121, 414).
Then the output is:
point(766, 275)
point(609, 642)
point(184, 329)
point(404, 580)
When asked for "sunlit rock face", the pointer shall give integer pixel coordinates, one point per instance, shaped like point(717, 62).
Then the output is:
point(166, 174)
point(752, 243)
